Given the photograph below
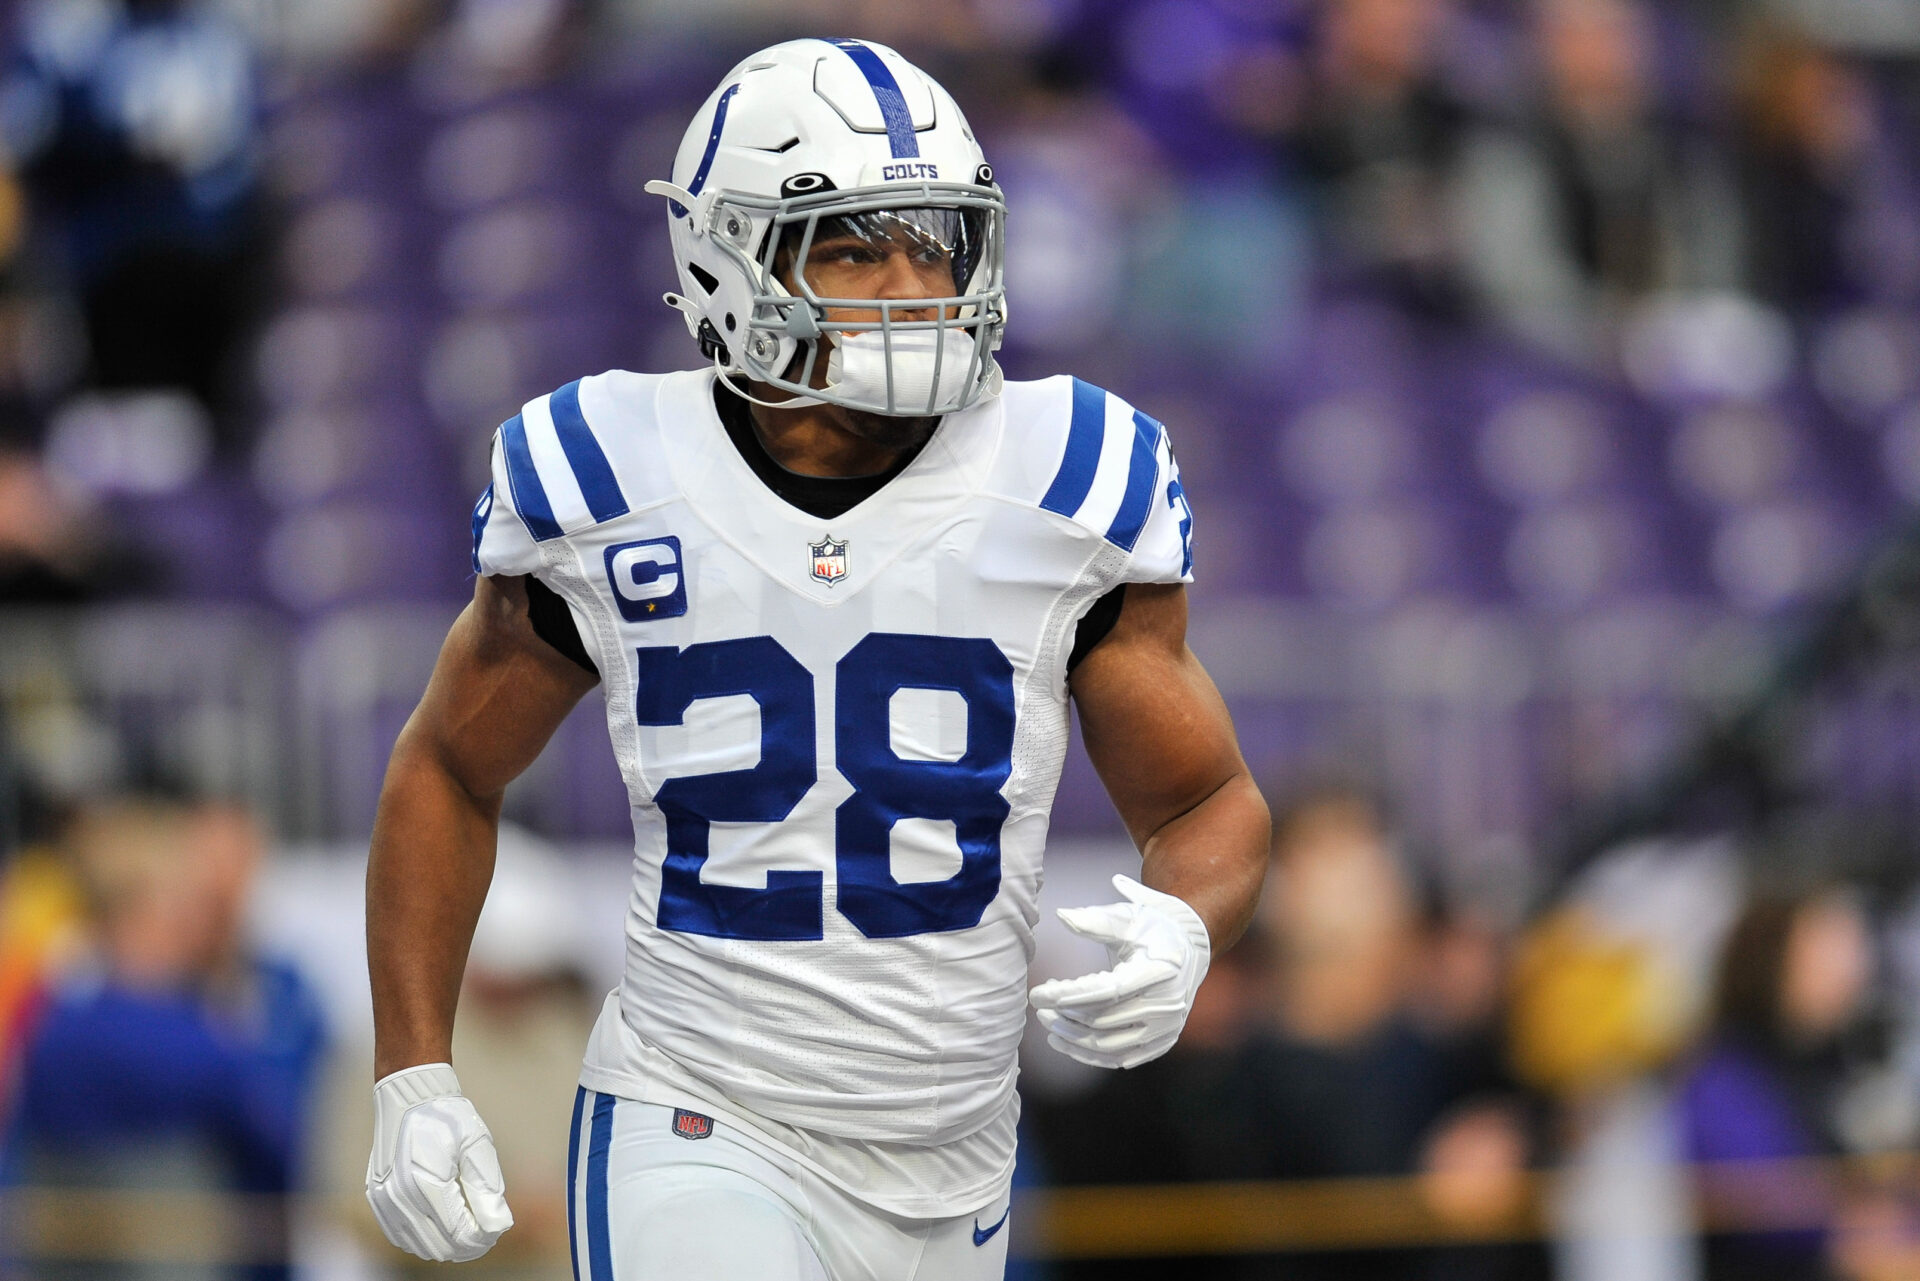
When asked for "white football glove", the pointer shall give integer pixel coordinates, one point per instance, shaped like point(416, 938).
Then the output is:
point(434, 1179)
point(1123, 1016)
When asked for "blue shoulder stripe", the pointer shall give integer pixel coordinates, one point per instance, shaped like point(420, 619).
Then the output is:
point(481, 511)
point(1084, 436)
point(523, 481)
point(588, 460)
point(599, 1143)
point(886, 91)
point(1142, 470)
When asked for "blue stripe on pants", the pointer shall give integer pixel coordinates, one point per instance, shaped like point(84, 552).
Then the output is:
point(573, 1178)
point(599, 1245)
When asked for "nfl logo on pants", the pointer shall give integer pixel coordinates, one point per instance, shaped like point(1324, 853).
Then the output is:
point(691, 1125)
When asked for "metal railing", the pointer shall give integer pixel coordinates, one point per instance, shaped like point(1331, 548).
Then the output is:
point(79, 1225)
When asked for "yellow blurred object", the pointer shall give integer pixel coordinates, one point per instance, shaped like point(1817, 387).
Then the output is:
point(1589, 1008)
point(40, 913)
point(13, 217)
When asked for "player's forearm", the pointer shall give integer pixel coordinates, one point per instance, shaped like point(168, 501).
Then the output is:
point(1214, 856)
point(427, 876)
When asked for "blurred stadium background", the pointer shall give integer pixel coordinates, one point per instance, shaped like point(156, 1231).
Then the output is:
point(1546, 377)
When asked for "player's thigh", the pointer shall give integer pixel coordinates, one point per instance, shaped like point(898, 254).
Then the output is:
point(709, 1223)
point(652, 1206)
point(859, 1242)
point(971, 1247)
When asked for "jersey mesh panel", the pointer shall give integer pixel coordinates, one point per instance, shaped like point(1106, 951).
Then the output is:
point(1040, 742)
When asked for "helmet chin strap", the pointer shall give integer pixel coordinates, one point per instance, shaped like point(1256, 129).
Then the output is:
point(792, 402)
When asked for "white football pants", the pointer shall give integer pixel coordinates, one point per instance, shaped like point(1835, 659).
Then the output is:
point(659, 1196)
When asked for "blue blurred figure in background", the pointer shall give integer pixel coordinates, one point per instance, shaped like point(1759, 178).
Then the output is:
point(135, 127)
point(167, 1059)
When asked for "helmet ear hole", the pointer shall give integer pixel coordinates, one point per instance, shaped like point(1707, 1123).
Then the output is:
point(706, 279)
point(983, 176)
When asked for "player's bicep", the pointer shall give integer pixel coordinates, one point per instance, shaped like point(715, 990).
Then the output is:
point(497, 694)
point(1155, 726)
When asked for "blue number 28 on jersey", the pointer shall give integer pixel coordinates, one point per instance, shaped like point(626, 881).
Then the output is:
point(887, 787)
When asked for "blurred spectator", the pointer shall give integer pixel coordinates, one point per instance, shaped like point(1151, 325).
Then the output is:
point(1302, 1060)
point(1474, 1160)
point(170, 1059)
point(1380, 137)
point(1603, 198)
point(54, 548)
point(1792, 978)
point(1459, 982)
point(1342, 916)
point(41, 556)
point(1146, 182)
point(1819, 179)
point(1371, 1089)
point(1475, 1178)
point(336, 35)
point(133, 124)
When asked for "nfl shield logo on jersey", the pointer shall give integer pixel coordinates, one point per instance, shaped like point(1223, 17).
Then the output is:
point(691, 1125)
point(829, 560)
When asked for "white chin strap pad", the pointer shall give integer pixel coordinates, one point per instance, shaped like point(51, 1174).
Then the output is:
point(857, 367)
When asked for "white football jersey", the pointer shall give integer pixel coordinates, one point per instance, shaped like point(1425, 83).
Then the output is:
point(840, 738)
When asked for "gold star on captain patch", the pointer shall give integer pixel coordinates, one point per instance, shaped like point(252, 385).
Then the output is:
point(651, 607)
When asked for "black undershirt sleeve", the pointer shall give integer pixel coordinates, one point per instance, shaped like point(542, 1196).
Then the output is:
point(826, 497)
point(1095, 624)
point(553, 623)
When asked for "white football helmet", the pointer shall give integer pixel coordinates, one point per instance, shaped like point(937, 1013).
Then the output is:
point(837, 140)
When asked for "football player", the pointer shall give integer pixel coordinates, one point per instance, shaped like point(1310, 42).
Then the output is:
point(837, 590)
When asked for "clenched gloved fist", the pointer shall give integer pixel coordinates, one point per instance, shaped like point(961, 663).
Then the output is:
point(1132, 1012)
point(434, 1179)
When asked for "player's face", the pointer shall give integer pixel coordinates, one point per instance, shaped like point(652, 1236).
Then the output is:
point(888, 256)
point(891, 258)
